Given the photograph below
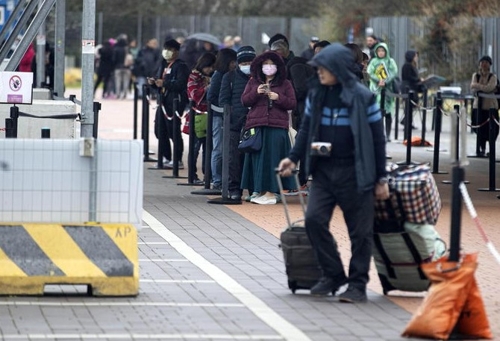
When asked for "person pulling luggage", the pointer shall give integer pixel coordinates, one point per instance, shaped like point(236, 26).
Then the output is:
point(342, 137)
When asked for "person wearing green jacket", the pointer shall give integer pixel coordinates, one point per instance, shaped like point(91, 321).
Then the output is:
point(382, 71)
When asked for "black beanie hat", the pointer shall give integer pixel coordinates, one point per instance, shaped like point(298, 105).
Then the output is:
point(486, 59)
point(171, 44)
point(245, 54)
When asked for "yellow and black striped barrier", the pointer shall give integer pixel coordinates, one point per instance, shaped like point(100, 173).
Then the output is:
point(102, 256)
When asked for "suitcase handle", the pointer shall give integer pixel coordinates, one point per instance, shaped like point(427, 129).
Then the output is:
point(295, 173)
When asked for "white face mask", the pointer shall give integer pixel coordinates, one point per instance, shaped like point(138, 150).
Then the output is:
point(245, 69)
point(167, 54)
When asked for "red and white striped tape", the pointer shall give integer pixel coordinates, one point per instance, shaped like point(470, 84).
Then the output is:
point(475, 218)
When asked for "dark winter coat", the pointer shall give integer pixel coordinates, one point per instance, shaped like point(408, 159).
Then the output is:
point(174, 85)
point(409, 74)
point(364, 116)
point(147, 62)
point(214, 91)
point(232, 87)
point(120, 51)
point(263, 111)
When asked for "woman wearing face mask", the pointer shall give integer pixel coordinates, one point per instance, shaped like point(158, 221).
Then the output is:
point(197, 89)
point(269, 95)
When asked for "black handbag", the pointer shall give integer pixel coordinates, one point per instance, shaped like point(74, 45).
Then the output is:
point(250, 141)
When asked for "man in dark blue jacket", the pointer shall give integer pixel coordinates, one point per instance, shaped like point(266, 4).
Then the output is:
point(233, 85)
point(342, 138)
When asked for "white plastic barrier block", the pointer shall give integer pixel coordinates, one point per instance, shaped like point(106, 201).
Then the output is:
point(48, 181)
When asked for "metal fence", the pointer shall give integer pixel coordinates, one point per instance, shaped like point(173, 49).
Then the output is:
point(401, 33)
point(142, 28)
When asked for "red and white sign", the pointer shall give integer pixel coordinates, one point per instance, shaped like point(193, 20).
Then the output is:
point(16, 87)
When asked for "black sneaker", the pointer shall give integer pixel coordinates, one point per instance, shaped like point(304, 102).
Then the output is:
point(325, 286)
point(353, 295)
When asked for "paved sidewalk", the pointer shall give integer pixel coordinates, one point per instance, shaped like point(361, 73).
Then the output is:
point(271, 220)
point(215, 272)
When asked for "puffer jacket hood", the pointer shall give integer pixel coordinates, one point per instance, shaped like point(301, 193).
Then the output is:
point(256, 67)
point(409, 55)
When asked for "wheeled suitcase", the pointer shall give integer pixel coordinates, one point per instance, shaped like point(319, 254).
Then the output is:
point(400, 247)
point(301, 265)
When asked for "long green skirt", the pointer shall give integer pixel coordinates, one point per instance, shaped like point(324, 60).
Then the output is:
point(259, 173)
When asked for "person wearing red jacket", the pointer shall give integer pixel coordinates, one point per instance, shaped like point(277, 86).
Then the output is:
point(25, 63)
point(197, 89)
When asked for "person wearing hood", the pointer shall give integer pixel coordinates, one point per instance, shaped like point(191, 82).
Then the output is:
point(409, 75)
point(382, 70)
point(270, 95)
point(342, 136)
point(484, 81)
point(232, 87)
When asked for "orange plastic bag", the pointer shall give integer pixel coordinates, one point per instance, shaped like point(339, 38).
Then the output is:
point(453, 300)
point(417, 142)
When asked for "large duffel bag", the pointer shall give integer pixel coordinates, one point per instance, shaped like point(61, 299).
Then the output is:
point(415, 188)
point(399, 250)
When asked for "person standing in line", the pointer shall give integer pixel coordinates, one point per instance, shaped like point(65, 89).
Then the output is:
point(171, 81)
point(371, 41)
point(309, 52)
point(232, 87)
point(298, 72)
point(342, 137)
point(484, 81)
point(270, 95)
point(409, 76)
point(225, 62)
point(382, 70)
point(197, 89)
point(146, 63)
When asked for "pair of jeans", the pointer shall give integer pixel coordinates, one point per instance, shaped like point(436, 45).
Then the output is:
point(216, 162)
point(334, 185)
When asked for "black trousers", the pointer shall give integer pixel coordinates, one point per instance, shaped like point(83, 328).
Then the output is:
point(236, 159)
point(334, 185)
point(483, 132)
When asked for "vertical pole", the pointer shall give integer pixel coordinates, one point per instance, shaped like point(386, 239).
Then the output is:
point(409, 124)
point(100, 19)
point(208, 149)
point(396, 118)
point(87, 115)
point(136, 109)
point(456, 107)
point(424, 116)
point(492, 147)
point(438, 103)
point(176, 138)
point(59, 48)
point(458, 175)
point(88, 47)
point(14, 115)
point(226, 137)
point(9, 128)
point(40, 52)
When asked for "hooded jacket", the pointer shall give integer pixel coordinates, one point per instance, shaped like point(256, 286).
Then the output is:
point(365, 118)
point(263, 111)
point(381, 68)
point(409, 74)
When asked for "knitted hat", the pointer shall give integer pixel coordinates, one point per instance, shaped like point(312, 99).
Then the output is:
point(486, 59)
point(171, 44)
point(245, 54)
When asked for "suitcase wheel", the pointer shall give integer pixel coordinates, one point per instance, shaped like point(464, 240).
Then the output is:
point(293, 286)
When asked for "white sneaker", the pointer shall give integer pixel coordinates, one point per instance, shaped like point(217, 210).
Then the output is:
point(265, 199)
point(170, 165)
